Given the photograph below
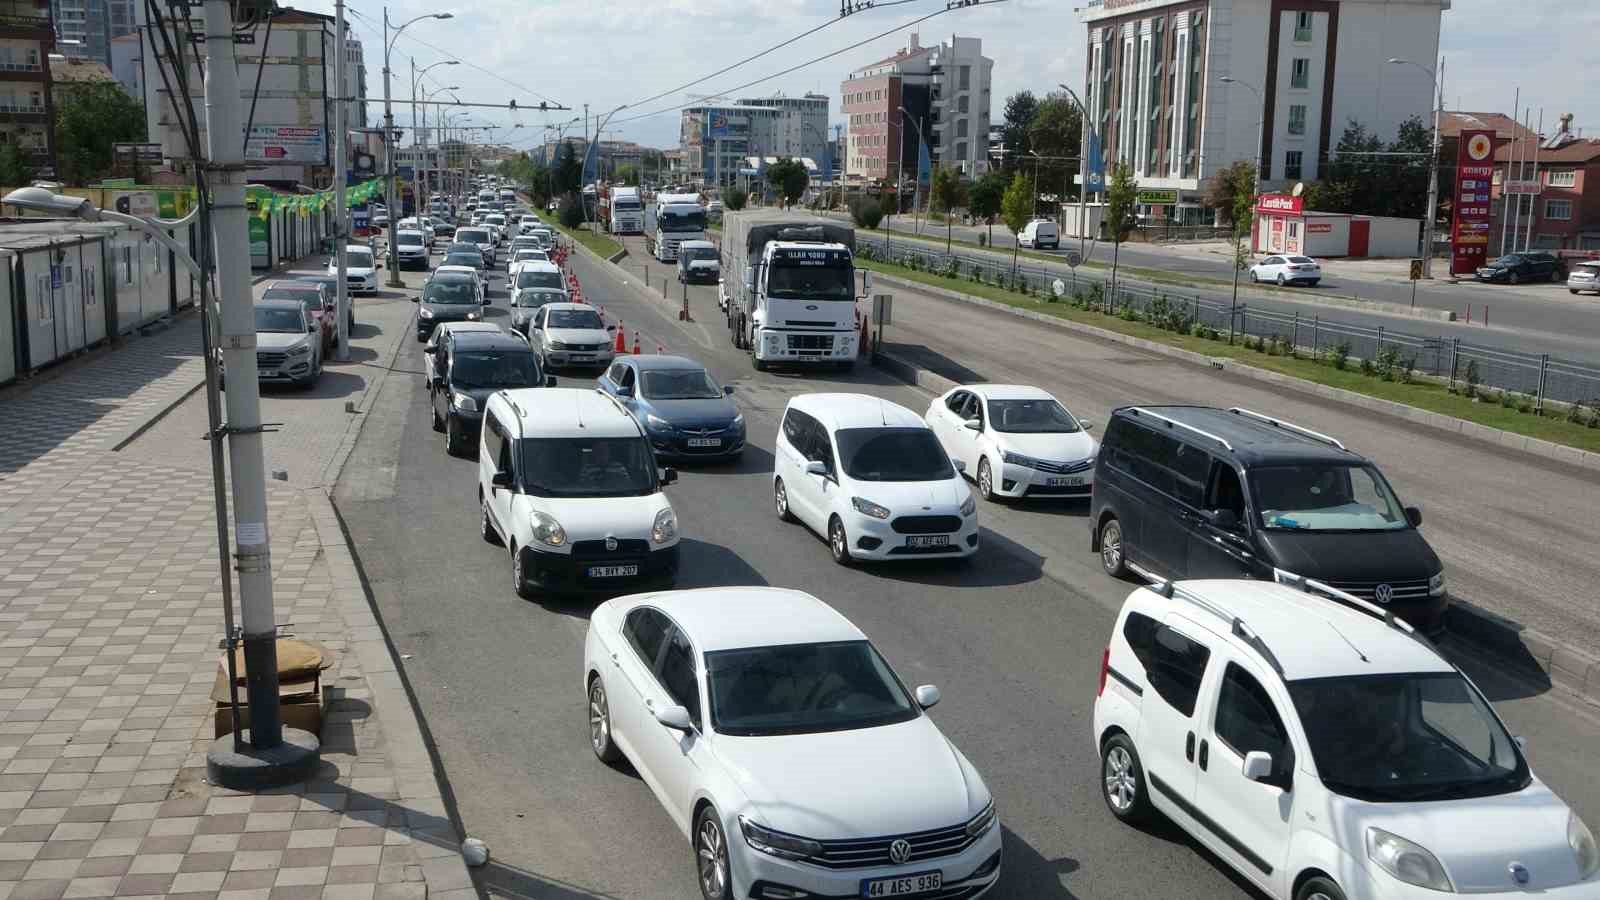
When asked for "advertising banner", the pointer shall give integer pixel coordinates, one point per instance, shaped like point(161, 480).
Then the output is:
point(286, 144)
point(1157, 196)
point(1280, 203)
point(1469, 231)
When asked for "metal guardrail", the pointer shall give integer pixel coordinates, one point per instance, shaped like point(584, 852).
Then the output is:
point(1536, 377)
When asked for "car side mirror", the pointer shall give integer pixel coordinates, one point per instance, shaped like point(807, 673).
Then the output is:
point(749, 280)
point(416, 299)
point(611, 328)
point(501, 479)
point(973, 424)
point(1257, 766)
point(1414, 516)
point(669, 475)
point(675, 717)
point(1522, 742)
point(727, 390)
point(816, 467)
point(1226, 519)
point(1086, 424)
point(927, 695)
point(624, 390)
point(312, 328)
point(549, 381)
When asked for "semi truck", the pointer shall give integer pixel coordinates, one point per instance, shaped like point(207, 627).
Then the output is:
point(789, 288)
point(673, 219)
point(623, 211)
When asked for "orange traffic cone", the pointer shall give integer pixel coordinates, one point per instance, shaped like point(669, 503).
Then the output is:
point(636, 343)
point(621, 347)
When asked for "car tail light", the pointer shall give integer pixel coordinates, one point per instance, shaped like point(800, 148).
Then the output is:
point(1105, 669)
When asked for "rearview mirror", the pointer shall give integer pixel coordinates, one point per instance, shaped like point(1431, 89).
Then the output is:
point(1414, 516)
point(927, 695)
point(1257, 766)
point(611, 328)
point(624, 391)
point(312, 328)
point(501, 480)
point(669, 475)
point(727, 390)
point(960, 464)
point(973, 424)
point(1086, 424)
point(1226, 519)
point(675, 717)
point(816, 467)
point(415, 299)
point(549, 381)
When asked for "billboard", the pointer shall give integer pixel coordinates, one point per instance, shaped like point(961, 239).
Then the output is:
point(1469, 231)
point(286, 145)
point(1280, 203)
point(720, 125)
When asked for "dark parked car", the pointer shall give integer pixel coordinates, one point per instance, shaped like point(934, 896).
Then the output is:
point(1195, 492)
point(330, 286)
point(469, 366)
point(1515, 268)
point(681, 409)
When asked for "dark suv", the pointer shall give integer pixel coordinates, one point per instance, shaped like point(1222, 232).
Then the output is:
point(1197, 492)
point(469, 366)
point(1515, 268)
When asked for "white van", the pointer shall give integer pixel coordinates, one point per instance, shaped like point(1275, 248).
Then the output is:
point(1040, 234)
point(567, 482)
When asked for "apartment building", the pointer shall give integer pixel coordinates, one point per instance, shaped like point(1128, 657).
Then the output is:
point(945, 93)
point(86, 28)
point(26, 108)
point(717, 138)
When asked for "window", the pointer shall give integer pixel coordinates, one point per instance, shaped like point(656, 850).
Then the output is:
point(645, 629)
point(494, 436)
point(961, 128)
point(1558, 209)
point(1189, 471)
point(1300, 74)
point(678, 675)
point(1292, 164)
point(1247, 721)
point(1173, 664)
point(962, 104)
point(1302, 26)
point(1297, 119)
point(1562, 178)
point(966, 78)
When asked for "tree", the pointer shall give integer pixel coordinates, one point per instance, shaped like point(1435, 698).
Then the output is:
point(1121, 202)
point(945, 194)
point(572, 213)
point(734, 199)
point(14, 168)
point(1020, 109)
point(1240, 215)
point(569, 171)
point(1224, 188)
point(1056, 129)
point(1016, 208)
point(789, 178)
point(90, 117)
point(866, 213)
point(984, 199)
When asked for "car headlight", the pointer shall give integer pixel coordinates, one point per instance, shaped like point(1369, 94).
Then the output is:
point(1406, 861)
point(1436, 585)
point(558, 345)
point(665, 527)
point(656, 423)
point(868, 508)
point(1017, 459)
point(1582, 841)
point(424, 313)
point(983, 821)
point(738, 422)
point(472, 317)
point(776, 843)
point(547, 531)
point(464, 402)
point(300, 350)
point(969, 506)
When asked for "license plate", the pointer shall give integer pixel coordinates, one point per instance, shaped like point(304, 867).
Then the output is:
point(928, 540)
point(1064, 482)
point(582, 357)
point(612, 571)
point(902, 885)
point(705, 442)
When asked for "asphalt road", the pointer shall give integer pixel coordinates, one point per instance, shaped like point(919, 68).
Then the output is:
point(1013, 640)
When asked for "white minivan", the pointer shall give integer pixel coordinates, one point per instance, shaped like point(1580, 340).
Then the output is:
point(872, 477)
point(567, 482)
point(1040, 234)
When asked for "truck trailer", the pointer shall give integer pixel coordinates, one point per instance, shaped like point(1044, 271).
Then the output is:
point(789, 288)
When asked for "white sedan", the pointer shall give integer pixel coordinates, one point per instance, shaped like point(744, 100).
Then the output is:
point(1016, 441)
point(1282, 270)
point(785, 749)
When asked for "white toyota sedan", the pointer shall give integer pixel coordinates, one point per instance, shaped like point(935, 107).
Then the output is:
point(785, 749)
point(1015, 441)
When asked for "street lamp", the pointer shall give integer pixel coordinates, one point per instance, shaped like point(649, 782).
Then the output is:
point(916, 188)
point(1036, 160)
point(1433, 161)
point(594, 148)
point(1085, 134)
point(426, 180)
point(1255, 179)
point(389, 141)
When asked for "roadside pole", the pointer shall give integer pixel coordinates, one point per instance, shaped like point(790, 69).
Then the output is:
point(341, 216)
point(270, 758)
point(390, 166)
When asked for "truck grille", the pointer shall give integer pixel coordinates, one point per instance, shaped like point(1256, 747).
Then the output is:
point(927, 524)
point(597, 549)
point(856, 854)
point(818, 342)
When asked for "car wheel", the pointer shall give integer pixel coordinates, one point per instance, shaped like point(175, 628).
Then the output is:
point(780, 501)
point(1572, 290)
point(839, 542)
point(985, 480)
point(711, 856)
point(605, 749)
point(1555, 275)
point(1319, 888)
point(1280, 279)
point(1122, 781)
point(1111, 553)
point(519, 577)
point(486, 525)
point(1513, 278)
point(1253, 278)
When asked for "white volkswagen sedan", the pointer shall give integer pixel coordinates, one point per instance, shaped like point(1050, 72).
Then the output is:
point(1015, 441)
point(1283, 270)
point(785, 749)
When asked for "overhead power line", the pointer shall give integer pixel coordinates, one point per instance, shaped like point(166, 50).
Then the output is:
point(468, 63)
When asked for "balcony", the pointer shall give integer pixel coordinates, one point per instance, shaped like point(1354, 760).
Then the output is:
point(28, 109)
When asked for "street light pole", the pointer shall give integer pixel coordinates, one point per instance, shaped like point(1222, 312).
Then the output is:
point(420, 136)
point(389, 141)
point(1084, 135)
point(1255, 181)
point(1433, 162)
point(916, 187)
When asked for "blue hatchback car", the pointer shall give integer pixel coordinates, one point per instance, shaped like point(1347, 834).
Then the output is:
point(680, 407)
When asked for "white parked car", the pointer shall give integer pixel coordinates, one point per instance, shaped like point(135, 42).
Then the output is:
point(785, 748)
point(1016, 441)
point(288, 343)
point(570, 334)
point(1040, 234)
point(1282, 270)
point(361, 269)
point(871, 477)
point(1584, 276)
point(568, 483)
point(1324, 750)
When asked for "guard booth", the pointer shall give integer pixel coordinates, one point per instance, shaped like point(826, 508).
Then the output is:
point(1283, 225)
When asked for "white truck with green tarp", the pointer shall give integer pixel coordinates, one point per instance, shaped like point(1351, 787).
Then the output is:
point(788, 286)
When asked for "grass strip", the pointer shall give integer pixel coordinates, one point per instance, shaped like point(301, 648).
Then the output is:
point(599, 243)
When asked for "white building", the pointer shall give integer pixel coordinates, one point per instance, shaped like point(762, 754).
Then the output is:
point(763, 126)
point(944, 90)
point(1301, 71)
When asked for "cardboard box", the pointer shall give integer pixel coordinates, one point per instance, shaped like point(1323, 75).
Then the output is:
point(301, 704)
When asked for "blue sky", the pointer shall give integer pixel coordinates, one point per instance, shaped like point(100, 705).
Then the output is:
point(613, 52)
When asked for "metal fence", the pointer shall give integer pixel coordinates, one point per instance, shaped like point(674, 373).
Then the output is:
point(1536, 376)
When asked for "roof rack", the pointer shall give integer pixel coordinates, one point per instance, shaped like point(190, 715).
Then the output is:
point(1236, 625)
point(1141, 411)
point(1279, 423)
point(1344, 598)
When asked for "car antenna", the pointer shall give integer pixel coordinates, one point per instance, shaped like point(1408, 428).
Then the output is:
point(1348, 641)
point(883, 413)
point(577, 409)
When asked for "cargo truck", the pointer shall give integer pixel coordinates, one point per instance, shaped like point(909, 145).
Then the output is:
point(673, 219)
point(789, 288)
point(624, 211)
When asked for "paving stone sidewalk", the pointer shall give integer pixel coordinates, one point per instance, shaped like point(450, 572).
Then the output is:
point(110, 610)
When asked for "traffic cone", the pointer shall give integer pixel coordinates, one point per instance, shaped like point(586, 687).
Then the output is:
point(622, 346)
point(636, 343)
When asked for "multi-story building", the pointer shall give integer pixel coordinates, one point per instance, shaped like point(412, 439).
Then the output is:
point(26, 108)
point(1299, 71)
point(86, 28)
point(716, 138)
point(1553, 189)
point(127, 58)
point(943, 89)
point(355, 80)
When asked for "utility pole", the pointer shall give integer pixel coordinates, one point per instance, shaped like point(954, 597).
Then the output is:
point(341, 216)
point(1433, 180)
point(273, 756)
point(390, 166)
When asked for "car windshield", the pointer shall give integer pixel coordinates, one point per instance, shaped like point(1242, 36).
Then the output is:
point(533, 278)
point(1301, 260)
point(495, 369)
point(1037, 416)
point(1506, 261)
point(574, 318)
point(309, 301)
point(693, 253)
point(1406, 738)
point(410, 238)
point(282, 321)
point(682, 221)
point(830, 280)
point(358, 259)
point(803, 689)
point(680, 384)
point(472, 235)
point(893, 454)
point(452, 290)
point(1325, 497)
point(473, 260)
point(587, 467)
point(528, 253)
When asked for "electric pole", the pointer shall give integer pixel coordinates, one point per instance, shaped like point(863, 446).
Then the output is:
point(341, 216)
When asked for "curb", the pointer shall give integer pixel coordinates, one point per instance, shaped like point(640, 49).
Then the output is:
point(616, 257)
point(132, 434)
point(358, 419)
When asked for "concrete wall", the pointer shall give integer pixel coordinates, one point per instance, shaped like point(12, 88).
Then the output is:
point(1366, 87)
point(1397, 238)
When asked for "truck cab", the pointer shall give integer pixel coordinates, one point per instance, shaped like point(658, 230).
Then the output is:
point(674, 219)
point(792, 290)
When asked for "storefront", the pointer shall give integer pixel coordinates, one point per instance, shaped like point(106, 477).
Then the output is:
point(1284, 225)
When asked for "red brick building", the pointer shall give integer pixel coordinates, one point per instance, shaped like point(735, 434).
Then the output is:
point(1557, 187)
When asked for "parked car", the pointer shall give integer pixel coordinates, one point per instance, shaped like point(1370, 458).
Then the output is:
point(1040, 234)
point(316, 302)
point(1584, 276)
point(534, 286)
point(1515, 268)
point(411, 249)
point(1323, 750)
point(567, 483)
point(1286, 270)
point(288, 346)
point(570, 334)
point(361, 268)
point(785, 748)
point(468, 367)
point(330, 286)
point(685, 413)
point(451, 294)
point(871, 476)
point(1015, 441)
point(1196, 492)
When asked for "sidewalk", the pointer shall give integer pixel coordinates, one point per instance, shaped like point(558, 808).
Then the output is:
point(110, 614)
